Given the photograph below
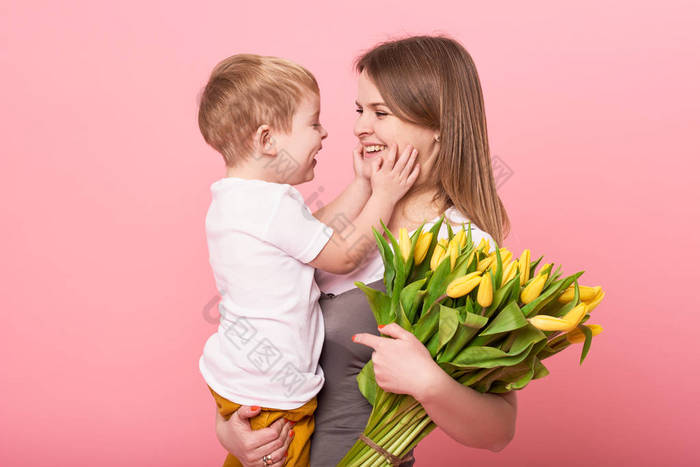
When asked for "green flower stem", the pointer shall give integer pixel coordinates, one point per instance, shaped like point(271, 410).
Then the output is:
point(406, 440)
point(382, 435)
point(412, 440)
point(396, 429)
point(389, 431)
point(407, 435)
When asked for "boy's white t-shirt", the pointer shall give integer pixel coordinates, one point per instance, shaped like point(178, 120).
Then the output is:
point(373, 268)
point(266, 349)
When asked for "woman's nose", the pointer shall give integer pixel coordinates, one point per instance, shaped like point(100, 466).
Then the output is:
point(362, 126)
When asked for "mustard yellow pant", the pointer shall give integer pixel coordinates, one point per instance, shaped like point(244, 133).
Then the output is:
point(300, 447)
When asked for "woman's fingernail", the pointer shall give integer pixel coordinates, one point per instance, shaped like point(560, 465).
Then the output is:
point(293, 423)
point(353, 337)
point(291, 433)
point(254, 408)
point(381, 326)
point(285, 453)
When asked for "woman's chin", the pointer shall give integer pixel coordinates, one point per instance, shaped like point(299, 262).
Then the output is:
point(372, 155)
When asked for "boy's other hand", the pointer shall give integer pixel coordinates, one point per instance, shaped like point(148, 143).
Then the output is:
point(363, 167)
point(391, 178)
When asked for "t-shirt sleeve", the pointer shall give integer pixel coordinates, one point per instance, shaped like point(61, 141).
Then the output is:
point(294, 229)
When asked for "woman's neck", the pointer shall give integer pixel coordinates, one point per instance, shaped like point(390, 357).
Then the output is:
point(412, 210)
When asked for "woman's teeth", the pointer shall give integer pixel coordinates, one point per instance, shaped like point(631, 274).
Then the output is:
point(375, 148)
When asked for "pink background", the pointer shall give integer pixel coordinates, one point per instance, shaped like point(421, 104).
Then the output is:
point(105, 184)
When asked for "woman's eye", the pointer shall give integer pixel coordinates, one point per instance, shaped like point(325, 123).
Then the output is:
point(380, 114)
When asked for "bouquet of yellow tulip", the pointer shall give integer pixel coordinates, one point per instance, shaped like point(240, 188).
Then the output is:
point(487, 319)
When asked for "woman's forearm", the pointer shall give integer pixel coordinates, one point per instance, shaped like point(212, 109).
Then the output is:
point(485, 421)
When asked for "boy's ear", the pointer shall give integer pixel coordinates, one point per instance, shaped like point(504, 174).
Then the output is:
point(264, 142)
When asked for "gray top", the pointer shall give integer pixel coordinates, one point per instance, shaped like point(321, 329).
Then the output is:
point(342, 410)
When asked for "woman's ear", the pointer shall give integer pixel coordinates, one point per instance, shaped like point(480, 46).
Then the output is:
point(264, 142)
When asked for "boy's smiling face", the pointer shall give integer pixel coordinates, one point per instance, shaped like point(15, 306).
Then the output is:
point(297, 149)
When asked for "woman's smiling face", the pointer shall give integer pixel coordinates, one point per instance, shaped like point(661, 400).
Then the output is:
point(377, 127)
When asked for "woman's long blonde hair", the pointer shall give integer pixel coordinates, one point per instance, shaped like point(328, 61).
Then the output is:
point(432, 81)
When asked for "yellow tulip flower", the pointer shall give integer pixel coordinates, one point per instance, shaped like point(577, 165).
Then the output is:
point(484, 245)
point(524, 267)
point(576, 336)
point(485, 294)
point(586, 294)
point(461, 286)
point(550, 323)
point(533, 289)
point(438, 254)
point(460, 237)
point(509, 272)
point(596, 300)
point(484, 264)
point(404, 244)
point(422, 246)
point(576, 314)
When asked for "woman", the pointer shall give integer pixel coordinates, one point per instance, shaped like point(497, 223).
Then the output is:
point(423, 91)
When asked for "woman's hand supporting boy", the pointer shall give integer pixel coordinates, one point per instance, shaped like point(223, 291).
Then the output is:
point(248, 446)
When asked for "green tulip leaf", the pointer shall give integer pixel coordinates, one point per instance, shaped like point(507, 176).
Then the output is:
point(475, 321)
point(504, 294)
point(367, 383)
point(462, 336)
point(548, 294)
point(540, 370)
point(449, 321)
point(399, 265)
point(513, 377)
point(509, 318)
point(402, 319)
point(587, 343)
point(569, 306)
point(411, 297)
point(427, 323)
point(436, 285)
point(379, 303)
point(533, 266)
point(450, 233)
point(499, 267)
point(489, 357)
point(387, 259)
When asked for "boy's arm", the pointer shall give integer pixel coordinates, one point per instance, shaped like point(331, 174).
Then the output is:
point(347, 249)
point(349, 203)
point(390, 180)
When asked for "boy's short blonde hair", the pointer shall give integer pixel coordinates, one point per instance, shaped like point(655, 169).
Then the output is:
point(245, 91)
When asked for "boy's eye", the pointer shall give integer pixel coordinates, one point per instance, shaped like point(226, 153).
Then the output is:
point(358, 110)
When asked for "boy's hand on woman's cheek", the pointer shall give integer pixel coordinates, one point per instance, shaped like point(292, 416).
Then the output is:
point(364, 168)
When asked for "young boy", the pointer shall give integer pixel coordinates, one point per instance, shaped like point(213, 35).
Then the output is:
point(262, 115)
